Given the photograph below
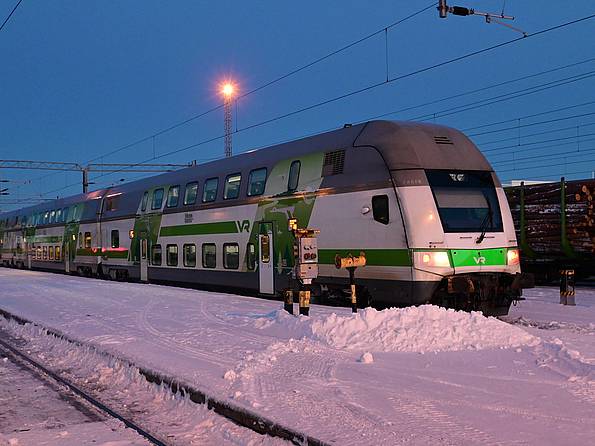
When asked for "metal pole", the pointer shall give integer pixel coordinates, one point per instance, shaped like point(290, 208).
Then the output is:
point(85, 180)
point(227, 125)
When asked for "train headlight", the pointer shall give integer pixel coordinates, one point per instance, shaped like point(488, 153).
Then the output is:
point(433, 258)
point(513, 257)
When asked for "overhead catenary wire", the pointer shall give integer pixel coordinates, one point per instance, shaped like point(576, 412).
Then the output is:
point(263, 86)
point(367, 88)
point(477, 90)
point(544, 132)
point(10, 15)
point(276, 80)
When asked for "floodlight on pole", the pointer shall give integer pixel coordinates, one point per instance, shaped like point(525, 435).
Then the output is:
point(227, 90)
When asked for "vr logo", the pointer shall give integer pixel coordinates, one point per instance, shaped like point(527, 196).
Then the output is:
point(243, 225)
point(480, 259)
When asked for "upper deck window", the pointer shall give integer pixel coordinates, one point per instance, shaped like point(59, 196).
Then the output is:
point(143, 203)
point(172, 196)
point(294, 176)
point(257, 181)
point(209, 192)
point(157, 199)
point(190, 193)
point(232, 186)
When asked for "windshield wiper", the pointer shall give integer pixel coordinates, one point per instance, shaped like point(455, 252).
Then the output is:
point(489, 218)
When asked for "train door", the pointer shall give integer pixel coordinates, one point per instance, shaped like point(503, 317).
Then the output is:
point(265, 259)
point(28, 253)
point(144, 260)
point(67, 256)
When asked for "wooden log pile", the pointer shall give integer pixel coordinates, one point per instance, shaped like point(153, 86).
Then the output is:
point(543, 216)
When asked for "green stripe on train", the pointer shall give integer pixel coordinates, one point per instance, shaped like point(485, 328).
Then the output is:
point(374, 257)
point(221, 227)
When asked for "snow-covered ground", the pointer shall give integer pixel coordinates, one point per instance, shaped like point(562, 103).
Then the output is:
point(410, 376)
point(33, 411)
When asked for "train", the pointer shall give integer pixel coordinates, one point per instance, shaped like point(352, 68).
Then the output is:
point(419, 200)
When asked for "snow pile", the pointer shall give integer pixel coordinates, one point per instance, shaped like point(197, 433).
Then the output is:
point(427, 328)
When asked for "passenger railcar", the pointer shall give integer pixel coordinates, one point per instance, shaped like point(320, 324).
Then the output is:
point(420, 200)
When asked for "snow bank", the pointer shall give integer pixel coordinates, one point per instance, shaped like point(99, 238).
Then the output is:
point(427, 328)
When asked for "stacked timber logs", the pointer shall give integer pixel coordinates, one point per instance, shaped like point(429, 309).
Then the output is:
point(543, 217)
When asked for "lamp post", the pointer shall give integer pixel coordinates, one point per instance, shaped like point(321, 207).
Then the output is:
point(228, 91)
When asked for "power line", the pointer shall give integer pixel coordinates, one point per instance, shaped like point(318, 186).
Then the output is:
point(276, 80)
point(372, 86)
point(369, 87)
point(496, 149)
point(565, 174)
point(505, 97)
point(558, 155)
point(10, 15)
point(547, 165)
point(263, 86)
point(477, 90)
point(545, 132)
point(534, 115)
point(532, 124)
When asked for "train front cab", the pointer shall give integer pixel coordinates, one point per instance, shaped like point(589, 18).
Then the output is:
point(462, 240)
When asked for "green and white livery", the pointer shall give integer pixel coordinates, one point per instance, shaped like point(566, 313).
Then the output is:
point(419, 200)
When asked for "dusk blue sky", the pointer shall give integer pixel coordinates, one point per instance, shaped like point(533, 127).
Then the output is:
point(80, 79)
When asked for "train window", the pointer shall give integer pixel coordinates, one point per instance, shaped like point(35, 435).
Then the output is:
point(171, 255)
point(257, 181)
point(87, 240)
point(143, 203)
point(209, 255)
point(231, 256)
point(80, 239)
point(111, 203)
point(156, 255)
point(58, 253)
point(190, 193)
point(115, 238)
point(173, 194)
point(39, 253)
point(157, 199)
point(209, 192)
point(251, 256)
point(380, 208)
point(50, 252)
point(52, 217)
point(65, 218)
point(294, 175)
point(232, 186)
point(264, 249)
point(45, 253)
point(59, 216)
point(46, 218)
point(190, 255)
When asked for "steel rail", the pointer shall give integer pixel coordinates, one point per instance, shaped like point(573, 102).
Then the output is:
point(81, 393)
point(227, 409)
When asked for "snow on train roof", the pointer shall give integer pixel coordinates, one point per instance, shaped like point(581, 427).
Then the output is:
point(403, 145)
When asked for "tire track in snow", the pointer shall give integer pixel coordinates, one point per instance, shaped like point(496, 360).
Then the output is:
point(161, 339)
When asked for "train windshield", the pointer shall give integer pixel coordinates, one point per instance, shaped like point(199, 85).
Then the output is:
point(466, 200)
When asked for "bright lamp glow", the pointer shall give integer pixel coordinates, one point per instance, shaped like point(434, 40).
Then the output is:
point(513, 257)
point(433, 258)
point(227, 89)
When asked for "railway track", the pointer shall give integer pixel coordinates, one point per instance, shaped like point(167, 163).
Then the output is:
point(232, 412)
point(12, 352)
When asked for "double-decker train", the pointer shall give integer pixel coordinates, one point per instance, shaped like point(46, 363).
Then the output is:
point(419, 200)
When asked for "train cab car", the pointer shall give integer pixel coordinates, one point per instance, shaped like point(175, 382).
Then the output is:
point(419, 200)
